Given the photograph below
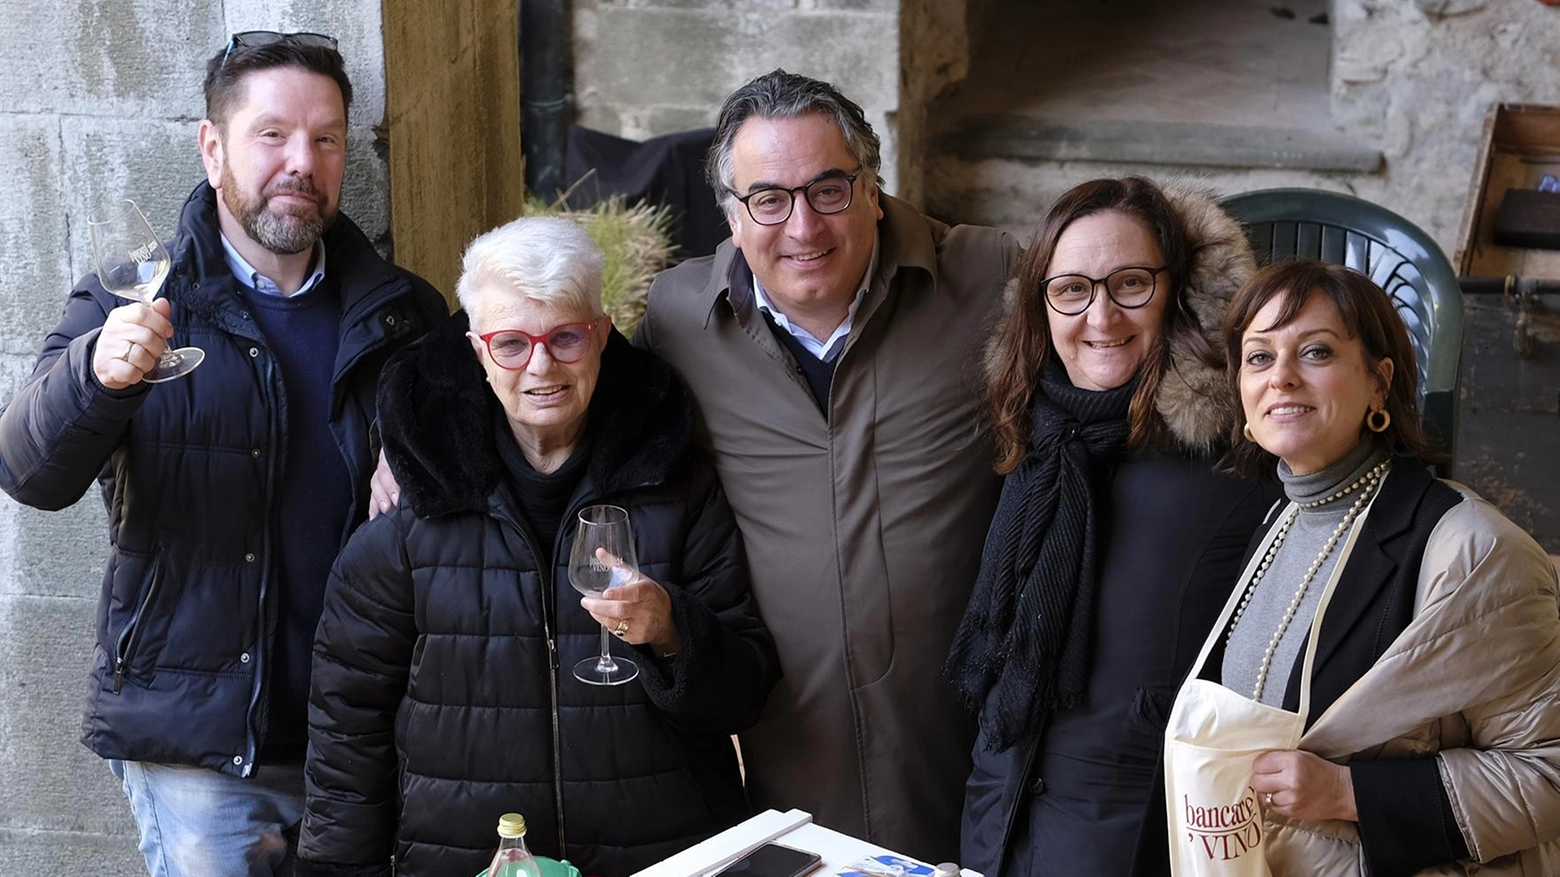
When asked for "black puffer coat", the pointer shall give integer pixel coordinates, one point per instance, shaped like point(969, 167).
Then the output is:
point(439, 702)
point(189, 472)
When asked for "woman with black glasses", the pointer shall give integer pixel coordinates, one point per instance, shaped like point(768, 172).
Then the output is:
point(1114, 541)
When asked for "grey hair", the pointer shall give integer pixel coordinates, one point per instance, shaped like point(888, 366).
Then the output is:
point(543, 258)
point(781, 95)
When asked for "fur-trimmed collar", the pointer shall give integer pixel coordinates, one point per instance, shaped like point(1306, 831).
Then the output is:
point(437, 415)
point(1194, 399)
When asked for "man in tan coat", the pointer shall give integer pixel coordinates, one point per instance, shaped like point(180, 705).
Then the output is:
point(832, 346)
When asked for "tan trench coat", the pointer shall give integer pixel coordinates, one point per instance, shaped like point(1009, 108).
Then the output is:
point(864, 529)
point(1476, 678)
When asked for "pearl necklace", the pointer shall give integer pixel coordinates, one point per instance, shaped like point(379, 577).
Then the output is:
point(1366, 485)
point(1340, 494)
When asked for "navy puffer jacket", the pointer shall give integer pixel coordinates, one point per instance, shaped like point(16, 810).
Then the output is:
point(442, 693)
point(189, 472)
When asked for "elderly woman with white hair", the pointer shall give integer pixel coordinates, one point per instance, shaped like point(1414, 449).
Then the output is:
point(442, 695)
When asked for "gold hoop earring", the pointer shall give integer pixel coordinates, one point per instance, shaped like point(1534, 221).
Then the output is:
point(1378, 420)
point(1246, 431)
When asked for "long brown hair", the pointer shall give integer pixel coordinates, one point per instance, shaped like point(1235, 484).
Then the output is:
point(1022, 341)
point(1368, 314)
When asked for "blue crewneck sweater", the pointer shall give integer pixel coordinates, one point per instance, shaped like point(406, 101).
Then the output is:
point(313, 501)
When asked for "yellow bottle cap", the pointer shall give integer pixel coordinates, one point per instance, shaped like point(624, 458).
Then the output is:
point(511, 825)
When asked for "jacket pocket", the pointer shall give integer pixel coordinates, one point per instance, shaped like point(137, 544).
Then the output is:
point(129, 636)
point(1150, 710)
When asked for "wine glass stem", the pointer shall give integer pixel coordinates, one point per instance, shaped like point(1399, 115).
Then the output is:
point(606, 664)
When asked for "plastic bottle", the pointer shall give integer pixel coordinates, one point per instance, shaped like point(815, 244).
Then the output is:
point(512, 858)
point(946, 869)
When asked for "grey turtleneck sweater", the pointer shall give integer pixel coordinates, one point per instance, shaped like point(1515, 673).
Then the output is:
point(1311, 529)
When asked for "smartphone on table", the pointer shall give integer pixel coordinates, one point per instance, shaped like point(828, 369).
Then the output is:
point(773, 860)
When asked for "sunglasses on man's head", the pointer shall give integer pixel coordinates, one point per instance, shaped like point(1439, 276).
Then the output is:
point(254, 39)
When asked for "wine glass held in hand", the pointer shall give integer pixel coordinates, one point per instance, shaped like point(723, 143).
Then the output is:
point(132, 263)
point(603, 557)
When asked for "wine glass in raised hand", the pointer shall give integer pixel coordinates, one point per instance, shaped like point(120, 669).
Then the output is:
point(132, 263)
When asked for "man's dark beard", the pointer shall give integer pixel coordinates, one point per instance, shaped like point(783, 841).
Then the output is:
point(283, 234)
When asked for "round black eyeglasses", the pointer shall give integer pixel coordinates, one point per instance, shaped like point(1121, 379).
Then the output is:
point(828, 194)
point(1131, 287)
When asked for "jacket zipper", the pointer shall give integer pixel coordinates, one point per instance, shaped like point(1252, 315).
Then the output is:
point(552, 683)
point(258, 688)
point(552, 692)
point(127, 637)
point(549, 603)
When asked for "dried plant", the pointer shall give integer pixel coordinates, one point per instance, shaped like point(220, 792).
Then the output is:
point(635, 244)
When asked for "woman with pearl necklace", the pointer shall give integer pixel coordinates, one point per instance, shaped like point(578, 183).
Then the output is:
point(1385, 680)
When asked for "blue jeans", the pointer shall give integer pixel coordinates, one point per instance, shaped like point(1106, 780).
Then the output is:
point(196, 822)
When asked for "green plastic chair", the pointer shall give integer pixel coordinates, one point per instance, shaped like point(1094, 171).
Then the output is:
point(1399, 256)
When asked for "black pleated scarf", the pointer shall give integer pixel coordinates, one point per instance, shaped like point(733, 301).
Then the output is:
point(1021, 653)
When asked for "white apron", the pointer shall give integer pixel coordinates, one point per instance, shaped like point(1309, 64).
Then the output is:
point(1214, 734)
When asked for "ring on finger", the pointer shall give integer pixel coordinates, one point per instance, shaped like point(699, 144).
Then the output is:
point(622, 628)
point(129, 349)
point(1269, 799)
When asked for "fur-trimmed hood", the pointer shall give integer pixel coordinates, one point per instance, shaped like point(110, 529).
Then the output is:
point(437, 418)
point(1194, 398)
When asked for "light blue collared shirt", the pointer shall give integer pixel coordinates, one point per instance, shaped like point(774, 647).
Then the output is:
point(246, 274)
point(829, 348)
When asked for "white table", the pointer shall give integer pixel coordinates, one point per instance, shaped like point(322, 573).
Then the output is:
point(794, 828)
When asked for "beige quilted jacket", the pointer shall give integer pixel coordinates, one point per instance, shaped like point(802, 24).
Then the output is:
point(1476, 678)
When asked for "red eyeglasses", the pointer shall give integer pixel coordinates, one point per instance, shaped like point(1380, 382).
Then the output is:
point(566, 343)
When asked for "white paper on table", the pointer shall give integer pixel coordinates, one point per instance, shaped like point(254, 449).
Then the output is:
point(794, 828)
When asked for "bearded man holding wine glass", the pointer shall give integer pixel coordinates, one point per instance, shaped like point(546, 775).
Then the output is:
point(230, 489)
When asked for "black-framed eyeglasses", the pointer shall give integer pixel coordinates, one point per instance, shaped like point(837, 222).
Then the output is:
point(830, 193)
point(254, 39)
point(1130, 287)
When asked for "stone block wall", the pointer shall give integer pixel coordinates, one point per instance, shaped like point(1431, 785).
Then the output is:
point(99, 100)
point(649, 67)
point(1412, 78)
point(1419, 77)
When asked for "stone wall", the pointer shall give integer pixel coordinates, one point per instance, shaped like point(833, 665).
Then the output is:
point(1413, 78)
point(1419, 78)
point(99, 100)
point(650, 67)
